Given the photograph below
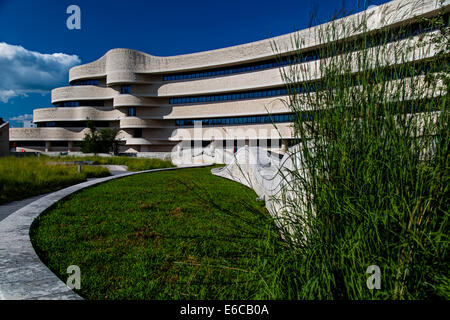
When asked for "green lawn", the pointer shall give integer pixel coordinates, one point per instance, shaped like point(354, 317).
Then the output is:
point(182, 234)
point(29, 176)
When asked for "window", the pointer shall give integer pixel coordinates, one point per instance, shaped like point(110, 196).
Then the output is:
point(125, 90)
point(92, 82)
point(132, 112)
point(90, 103)
point(242, 120)
point(137, 133)
point(235, 96)
point(70, 104)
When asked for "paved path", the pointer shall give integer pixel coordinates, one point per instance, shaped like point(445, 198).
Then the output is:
point(22, 274)
point(7, 209)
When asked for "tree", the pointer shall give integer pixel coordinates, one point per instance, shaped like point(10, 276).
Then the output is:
point(100, 141)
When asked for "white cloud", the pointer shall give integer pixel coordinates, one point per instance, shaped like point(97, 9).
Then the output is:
point(23, 117)
point(5, 95)
point(24, 120)
point(23, 71)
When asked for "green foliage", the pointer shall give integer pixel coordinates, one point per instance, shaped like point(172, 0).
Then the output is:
point(376, 161)
point(133, 164)
point(24, 177)
point(100, 141)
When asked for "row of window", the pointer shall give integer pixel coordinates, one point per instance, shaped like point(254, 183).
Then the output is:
point(71, 124)
point(238, 120)
point(244, 95)
point(219, 72)
point(67, 104)
point(91, 82)
point(227, 97)
point(309, 56)
point(42, 143)
point(235, 143)
point(81, 103)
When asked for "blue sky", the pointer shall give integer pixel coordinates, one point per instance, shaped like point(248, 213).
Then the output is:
point(37, 49)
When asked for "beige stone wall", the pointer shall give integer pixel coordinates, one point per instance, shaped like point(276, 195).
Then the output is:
point(82, 93)
point(77, 114)
point(137, 122)
point(47, 134)
point(232, 132)
point(4, 139)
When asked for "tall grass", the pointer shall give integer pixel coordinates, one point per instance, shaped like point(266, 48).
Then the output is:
point(24, 177)
point(373, 162)
point(133, 164)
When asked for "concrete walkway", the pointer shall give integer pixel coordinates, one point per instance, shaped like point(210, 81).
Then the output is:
point(8, 208)
point(11, 207)
point(22, 274)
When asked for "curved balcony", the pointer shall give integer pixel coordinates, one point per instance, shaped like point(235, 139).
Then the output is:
point(128, 100)
point(76, 93)
point(47, 134)
point(77, 114)
point(95, 69)
point(260, 106)
point(142, 141)
point(236, 82)
point(135, 122)
point(254, 131)
point(130, 77)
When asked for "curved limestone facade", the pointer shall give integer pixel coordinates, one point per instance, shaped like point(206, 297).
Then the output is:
point(157, 102)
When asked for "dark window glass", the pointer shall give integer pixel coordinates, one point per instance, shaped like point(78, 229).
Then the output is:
point(137, 133)
point(235, 96)
point(92, 82)
point(132, 112)
point(125, 90)
point(71, 104)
